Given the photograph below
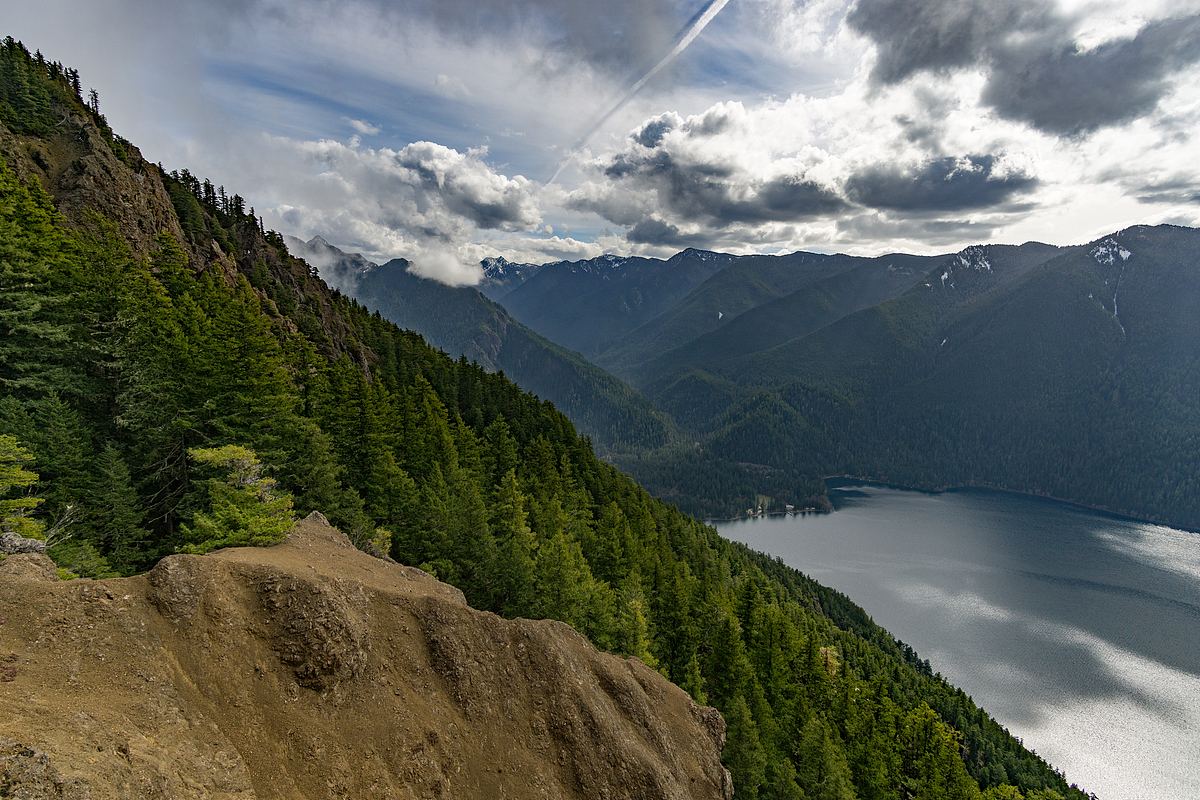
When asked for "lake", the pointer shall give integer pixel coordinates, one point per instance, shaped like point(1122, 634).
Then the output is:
point(1078, 631)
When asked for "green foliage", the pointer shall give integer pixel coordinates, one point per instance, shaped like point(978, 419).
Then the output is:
point(118, 518)
point(744, 753)
point(31, 89)
point(15, 478)
point(34, 252)
point(244, 508)
point(80, 559)
point(159, 393)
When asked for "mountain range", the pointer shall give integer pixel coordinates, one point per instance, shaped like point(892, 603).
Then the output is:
point(1071, 372)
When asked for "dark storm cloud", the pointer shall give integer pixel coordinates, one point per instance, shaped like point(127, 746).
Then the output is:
point(652, 132)
point(1035, 71)
point(1062, 90)
point(913, 36)
point(717, 193)
point(934, 232)
point(1178, 189)
point(658, 232)
point(939, 184)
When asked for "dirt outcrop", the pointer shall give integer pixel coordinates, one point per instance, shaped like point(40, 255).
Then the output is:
point(312, 670)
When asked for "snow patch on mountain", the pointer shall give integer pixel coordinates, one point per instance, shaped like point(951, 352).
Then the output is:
point(974, 258)
point(1108, 251)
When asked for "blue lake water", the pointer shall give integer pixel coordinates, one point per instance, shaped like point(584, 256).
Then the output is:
point(1078, 631)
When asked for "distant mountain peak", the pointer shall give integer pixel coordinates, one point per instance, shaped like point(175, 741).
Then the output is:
point(501, 275)
point(970, 260)
point(975, 258)
point(1108, 251)
point(695, 252)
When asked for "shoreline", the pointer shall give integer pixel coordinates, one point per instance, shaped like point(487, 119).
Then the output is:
point(1110, 512)
point(943, 489)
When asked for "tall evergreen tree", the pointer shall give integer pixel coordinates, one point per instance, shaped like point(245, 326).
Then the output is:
point(117, 514)
point(16, 504)
point(32, 249)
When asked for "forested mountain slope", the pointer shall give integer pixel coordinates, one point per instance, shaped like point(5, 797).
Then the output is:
point(1070, 372)
point(171, 378)
point(1065, 371)
point(745, 283)
point(463, 322)
point(851, 285)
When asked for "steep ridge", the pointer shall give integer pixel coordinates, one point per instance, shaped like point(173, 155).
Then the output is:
point(501, 276)
point(312, 670)
point(464, 322)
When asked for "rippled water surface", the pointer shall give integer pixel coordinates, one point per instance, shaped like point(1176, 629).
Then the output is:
point(1078, 631)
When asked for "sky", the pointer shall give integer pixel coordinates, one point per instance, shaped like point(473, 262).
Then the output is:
point(447, 131)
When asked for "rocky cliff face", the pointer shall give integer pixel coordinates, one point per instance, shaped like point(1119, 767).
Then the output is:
point(81, 171)
point(311, 670)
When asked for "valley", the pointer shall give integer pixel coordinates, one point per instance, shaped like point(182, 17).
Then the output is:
point(1007, 366)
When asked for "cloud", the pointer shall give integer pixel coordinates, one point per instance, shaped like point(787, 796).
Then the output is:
point(913, 36)
point(617, 36)
point(774, 175)
point(669, 180)
point(653, 231)
point(462, 184)
point(941, 234)
point(454, 87)
point(1037, 69)
point(1056, 87)
point(772, 133)
point(652, 132)
point(425, 202)
point(939, 184)
point(362, 126)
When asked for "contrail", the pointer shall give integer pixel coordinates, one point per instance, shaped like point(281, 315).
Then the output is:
point(690, 31)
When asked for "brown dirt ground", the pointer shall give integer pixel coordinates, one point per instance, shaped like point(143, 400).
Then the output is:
point(312, 670)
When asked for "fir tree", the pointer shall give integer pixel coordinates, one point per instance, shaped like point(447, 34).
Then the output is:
point(243, 506)
point(744, 755)
point(32, 248)
point(16, 505)
point(118, 516)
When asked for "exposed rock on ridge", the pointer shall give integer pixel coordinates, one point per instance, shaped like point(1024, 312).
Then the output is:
point(311, 670)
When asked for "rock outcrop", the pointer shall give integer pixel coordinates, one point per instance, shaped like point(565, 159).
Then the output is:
point(311, 670)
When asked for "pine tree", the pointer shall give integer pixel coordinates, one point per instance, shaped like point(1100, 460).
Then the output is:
point(632, 634)
point(65, 458)
point(515, 548)
point(243, 507)
point(118, 516)
point(821, 766)
point(693, 681)
point(32, 248)
point(563, 582)
point(16, 505)
point(744, 754)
